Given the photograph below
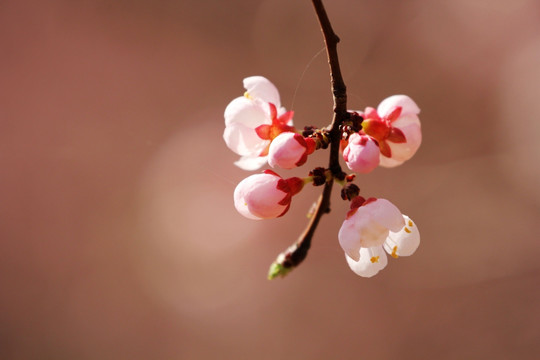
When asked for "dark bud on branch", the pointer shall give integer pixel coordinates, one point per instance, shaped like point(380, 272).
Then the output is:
point(319, 175)
point(356, 121)
point(321, 137)
point(350, 191)
point(351, 125)
point(309, 130)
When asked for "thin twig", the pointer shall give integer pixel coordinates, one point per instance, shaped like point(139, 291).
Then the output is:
point(297, 252)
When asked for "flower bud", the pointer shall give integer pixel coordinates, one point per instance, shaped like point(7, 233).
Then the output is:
point(350, 191)
point(361, 154)
point(289, 150)
point(265, 196)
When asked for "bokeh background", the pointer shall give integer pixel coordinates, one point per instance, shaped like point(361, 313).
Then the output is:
point(118, 234)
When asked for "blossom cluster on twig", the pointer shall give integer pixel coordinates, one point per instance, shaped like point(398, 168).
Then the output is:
point(261, 131)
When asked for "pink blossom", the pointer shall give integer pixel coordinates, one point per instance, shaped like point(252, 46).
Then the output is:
point(396, 127)
point(369, 225)
point(266, 195)
point(289, 150)
point(253, 120)
point(371, 229)
point(361, 154)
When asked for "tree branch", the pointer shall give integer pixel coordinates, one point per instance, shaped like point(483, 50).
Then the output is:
point(296, 253)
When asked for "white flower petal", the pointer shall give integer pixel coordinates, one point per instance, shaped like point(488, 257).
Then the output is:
point(240, 201)
point(251, 163)
point(372, 234)
point(372, 260)
point(406, 120)
point(248, 112)
point(404, 151)
point(404, 242)
point(244, 140)
point(407, 104)
point(389, 162)
point(259, 87)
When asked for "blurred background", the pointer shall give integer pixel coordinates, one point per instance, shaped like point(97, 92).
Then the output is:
point(118, 234)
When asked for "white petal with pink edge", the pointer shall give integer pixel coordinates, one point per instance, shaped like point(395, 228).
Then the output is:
point(251, 163)
point(408, 106)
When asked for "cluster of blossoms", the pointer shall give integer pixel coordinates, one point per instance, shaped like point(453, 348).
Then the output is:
point(261, 131)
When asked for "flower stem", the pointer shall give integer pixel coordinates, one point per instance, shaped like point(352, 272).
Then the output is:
point(297, 252)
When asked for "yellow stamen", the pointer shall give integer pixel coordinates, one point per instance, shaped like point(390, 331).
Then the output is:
point(394, 252)
point(375, 259)
point(407, 230)
point(411, 223)
point(246, 94)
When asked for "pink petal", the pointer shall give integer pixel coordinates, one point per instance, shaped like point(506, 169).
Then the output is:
point(273, 112)
point(263, 131)
point(242, 208)
point(349, 239)
point(286, 150)
point(385, 149)
point(295, 185)
point(387, 214)
point(259, 193)
point(251, 163)
point(371, 113)
point(286, 118)
point(369, 226)
point(394, 113)
point(406, 120)
point(270, 172)
point(240, 201)
point(396, 136)
point(361, 154)
point(360, 229)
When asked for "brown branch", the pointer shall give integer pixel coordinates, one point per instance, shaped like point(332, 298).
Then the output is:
point(297, 252)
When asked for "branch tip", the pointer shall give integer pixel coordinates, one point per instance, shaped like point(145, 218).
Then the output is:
point(296, 253)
